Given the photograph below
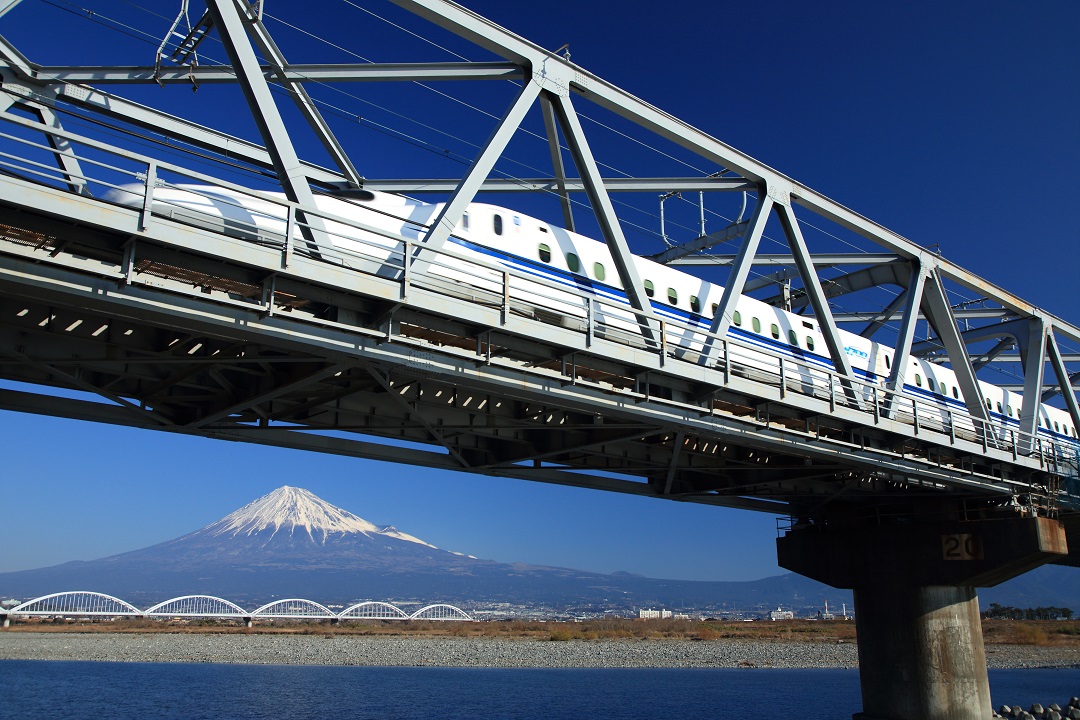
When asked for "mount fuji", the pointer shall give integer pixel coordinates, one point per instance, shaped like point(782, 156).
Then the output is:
point(291, 543)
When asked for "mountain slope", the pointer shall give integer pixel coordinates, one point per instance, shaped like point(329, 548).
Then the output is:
point(291, 543)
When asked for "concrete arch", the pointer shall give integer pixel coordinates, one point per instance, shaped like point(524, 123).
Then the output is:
point(76, 602)
point(440, 611)
point(374, 610)
point(294, 608)
point(197, 606)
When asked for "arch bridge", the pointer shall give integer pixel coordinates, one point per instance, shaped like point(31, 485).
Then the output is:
point(288, 319)
point(82, 603)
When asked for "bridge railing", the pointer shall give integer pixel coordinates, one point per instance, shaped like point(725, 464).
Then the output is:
point(271, 221)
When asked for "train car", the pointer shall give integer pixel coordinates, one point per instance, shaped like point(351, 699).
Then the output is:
point(560, 276)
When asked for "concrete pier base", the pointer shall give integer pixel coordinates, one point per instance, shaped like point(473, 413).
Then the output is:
point(921, 654)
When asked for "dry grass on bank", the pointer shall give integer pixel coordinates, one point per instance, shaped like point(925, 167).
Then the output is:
point(1004, 632)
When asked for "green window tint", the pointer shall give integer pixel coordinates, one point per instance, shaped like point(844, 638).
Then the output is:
point(775, 329)
point(810, 343)
point(757, 325)
point(989, 404)
point(695, 304)
point(650, 290)
point(999, 408)
point(930, 384)
point(672, 296)
point(599, 271)
point(573, 263)
point(497, 224)
point(918, 380)
point(793, 338)
point(736, 318)
point(1008, 410)
point(545, 253)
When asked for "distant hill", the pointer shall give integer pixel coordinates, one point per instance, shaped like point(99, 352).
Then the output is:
point(291, 543)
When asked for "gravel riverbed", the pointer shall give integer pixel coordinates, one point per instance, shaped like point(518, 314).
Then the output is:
point(468, 652)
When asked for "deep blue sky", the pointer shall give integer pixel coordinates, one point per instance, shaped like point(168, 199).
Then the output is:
point(955, 124)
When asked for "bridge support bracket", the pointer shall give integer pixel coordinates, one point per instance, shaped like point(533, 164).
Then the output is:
point(921, 654)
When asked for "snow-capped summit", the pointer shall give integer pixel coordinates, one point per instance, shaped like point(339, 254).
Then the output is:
point(290, 510)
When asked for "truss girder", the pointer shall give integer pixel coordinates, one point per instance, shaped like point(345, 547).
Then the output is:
point(296, 90)
point(894, 273)
point(1033, 351)
point(571, 184)
point(940, 316)
point(609, 223)
point(733, 288)
point(450, 213)
point(812, 287)
point(290, 172)
point(1064, 379)
point(292, 73)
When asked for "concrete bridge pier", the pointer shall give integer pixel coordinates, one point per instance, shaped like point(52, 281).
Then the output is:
point(921, 654)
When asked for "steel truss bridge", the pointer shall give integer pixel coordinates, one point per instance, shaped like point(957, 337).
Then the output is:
point(151, 316)
point(94, 604)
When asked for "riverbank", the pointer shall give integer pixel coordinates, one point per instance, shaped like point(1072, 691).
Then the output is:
point(396, 651)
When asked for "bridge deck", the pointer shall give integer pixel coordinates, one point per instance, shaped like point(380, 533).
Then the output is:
point(172, 323)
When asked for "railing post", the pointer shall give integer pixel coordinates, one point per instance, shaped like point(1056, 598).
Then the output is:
point(406, 265)
point(148, 196)
point(877, 408)
point(724, 345)
point(663, 342)
point(590, 313)
point(290, 228)
point(506, 297)
point(832, 393)
point(783, 379)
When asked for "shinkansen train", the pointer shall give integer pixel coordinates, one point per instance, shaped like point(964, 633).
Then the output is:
point(557, 274)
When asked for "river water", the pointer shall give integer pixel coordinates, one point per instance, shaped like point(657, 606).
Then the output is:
point(54, 690)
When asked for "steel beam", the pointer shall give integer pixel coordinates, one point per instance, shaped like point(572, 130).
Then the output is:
point(1033, 351)
point(290, 172)
point(773, 259)
point(672, 255)
point(1064, 380)
point(820, 303)
point(733, 287)
point(938, 313)
point(498, 185)
point(552, 130)
point(294, 73)
point(606, 217)
point(450, 213)
point(296, 90)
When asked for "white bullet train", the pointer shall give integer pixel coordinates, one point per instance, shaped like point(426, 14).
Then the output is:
point(556, 273)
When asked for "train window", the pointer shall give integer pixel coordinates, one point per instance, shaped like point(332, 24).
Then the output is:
point(1008, 410)
point(793, 338)
point(806, 324)
point(757, 325)
point(736, 318)
point(465, 221)
point(672, 296)
point(999, 408)
point(775, 330)
point(955, 394)
point(695, 304)
point(810, 343)
point(544, 252)
point(650, 290)
point(888, 363)
point(989, 404)
point(918, 379)
point(1056, 428)
point(497, 224)
point(599, 271)
point(930, 384)
point(573, 263)
point(543, 229)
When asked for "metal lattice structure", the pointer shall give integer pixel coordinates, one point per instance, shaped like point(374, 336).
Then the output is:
point(94, 604)
point(373, 610)
point(197, 606)
point(265, 330)
point(294, 608)
point(440, 612)
point(82, 603)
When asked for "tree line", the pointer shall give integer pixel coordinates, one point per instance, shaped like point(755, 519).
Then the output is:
point(1007, 612)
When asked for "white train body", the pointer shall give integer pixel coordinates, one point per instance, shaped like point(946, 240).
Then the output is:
point(573, 278)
